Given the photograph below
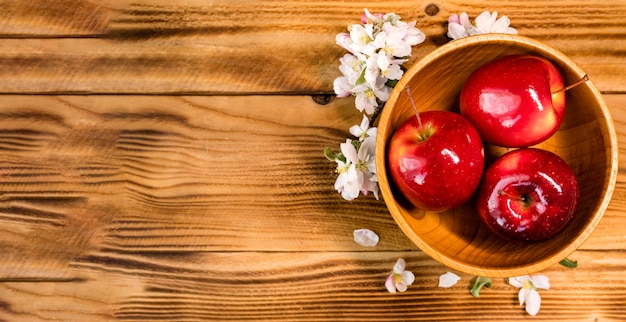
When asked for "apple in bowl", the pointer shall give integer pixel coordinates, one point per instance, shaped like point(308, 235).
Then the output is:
point(514, 101)
point(436, 159)
point(528, 194)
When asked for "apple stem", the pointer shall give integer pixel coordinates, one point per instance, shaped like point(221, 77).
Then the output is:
point(522, 199)
point(567, 88)
point(417, 113)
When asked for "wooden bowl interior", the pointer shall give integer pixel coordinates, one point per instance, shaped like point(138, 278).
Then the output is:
point(585, 139)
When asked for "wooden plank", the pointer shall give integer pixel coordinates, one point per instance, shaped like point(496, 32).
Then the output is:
point(302, 286)
point(252, 47)
point(179, 174)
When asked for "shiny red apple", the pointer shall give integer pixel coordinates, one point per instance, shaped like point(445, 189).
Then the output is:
point(436, 165)
point(528, 194)
point(514, 101)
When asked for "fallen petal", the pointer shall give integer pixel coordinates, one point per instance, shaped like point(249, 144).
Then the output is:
point(365, 237)
point(448, 279)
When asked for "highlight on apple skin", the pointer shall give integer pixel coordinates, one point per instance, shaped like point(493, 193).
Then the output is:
point(437, 165)
point(514, 101)
point(528, 194)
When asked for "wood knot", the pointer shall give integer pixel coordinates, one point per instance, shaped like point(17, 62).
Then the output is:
point(431, 9)
point(321, 99)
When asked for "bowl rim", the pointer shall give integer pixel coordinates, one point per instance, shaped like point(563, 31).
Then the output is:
point(525, 269)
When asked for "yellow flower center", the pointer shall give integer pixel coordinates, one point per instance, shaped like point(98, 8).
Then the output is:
point(528, 285)
point(397, 278)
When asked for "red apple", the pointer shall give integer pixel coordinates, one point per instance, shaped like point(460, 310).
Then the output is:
point(528, 194)
point(438, 165)
point(514, 101)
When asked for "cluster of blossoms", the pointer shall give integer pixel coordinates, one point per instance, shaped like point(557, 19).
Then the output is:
point(377, 47)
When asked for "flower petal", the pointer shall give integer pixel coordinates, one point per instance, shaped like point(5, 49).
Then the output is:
point(342, 87)
point(390, 284)
point(365, 237)
point(448, 279)
point(349, 151)
point(484, 21)
point(533, 302)
point(365, 103)
point(541, 281)
point(349, 183)
point(501, 24)
point(454, 18)
point(521, 296)
point(401, 286)
point(399, 266)
point(456, 31)
point(465, 21)
point(344, 41)
point(408, 278)
point(518, 281)
point(360, 131)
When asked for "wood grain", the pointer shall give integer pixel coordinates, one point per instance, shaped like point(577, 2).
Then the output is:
point(337, 286)
point(214, 202)
point(150, 174)
point(113, 208)
point(195, 47)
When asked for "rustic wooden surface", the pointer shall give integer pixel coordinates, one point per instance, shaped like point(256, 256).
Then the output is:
point(162, 160)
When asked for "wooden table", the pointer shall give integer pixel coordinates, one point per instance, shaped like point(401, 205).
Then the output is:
point(163, 160)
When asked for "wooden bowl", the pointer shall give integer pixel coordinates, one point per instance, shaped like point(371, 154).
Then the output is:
point(586, 140)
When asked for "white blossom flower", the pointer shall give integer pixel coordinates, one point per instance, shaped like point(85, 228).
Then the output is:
point(368, 95)
point(528, 293)
point(460, 26)
point(362, 36)
point(365, 237)
point(413, 35)
point(351, 67)
point(448, 280)
point(366, 101)
point(357, 174)
point(400, 279)
point(363, 130)
point(487, 23)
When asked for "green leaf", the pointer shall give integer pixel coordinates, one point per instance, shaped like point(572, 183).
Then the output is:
point(569, 263)
point(329, 154)
point(361, 79)
point(392, 83)
point(479, 282)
